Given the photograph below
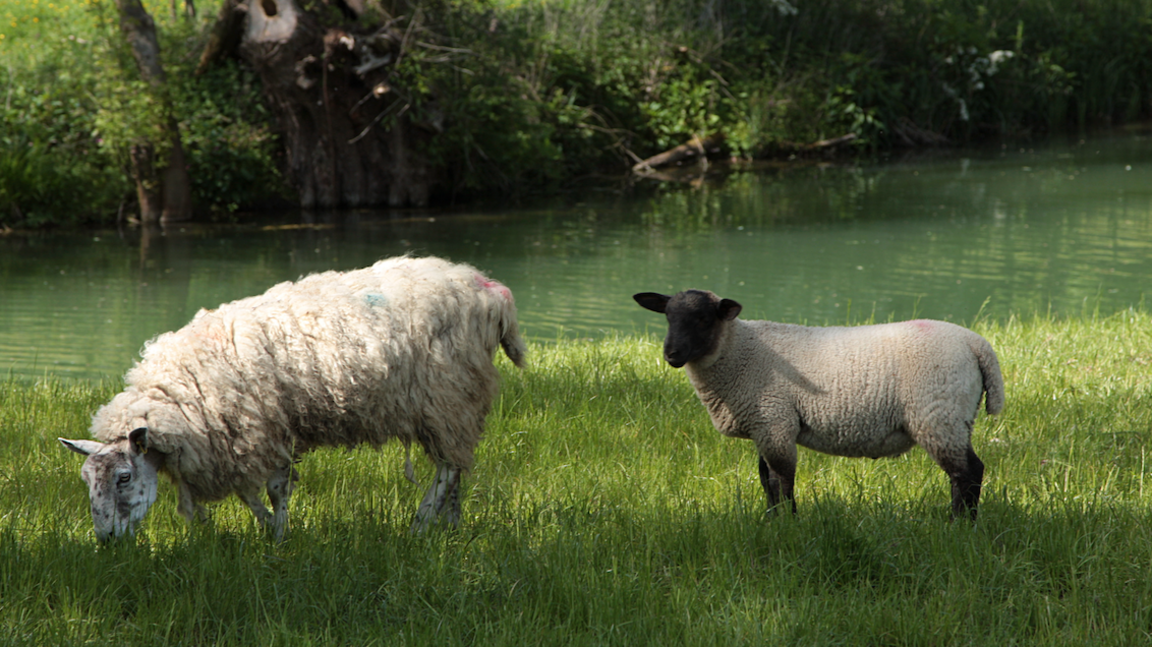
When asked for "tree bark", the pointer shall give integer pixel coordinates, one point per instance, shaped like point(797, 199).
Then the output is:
point(348, 132)
point(162, 186)
point(225, 36)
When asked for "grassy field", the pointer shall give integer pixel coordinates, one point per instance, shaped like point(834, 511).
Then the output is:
point(605, 510)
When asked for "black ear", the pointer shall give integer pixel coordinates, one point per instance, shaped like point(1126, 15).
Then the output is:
point(138, 440)
point(728, 309)
point(652, 301)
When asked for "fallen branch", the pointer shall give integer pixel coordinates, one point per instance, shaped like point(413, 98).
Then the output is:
point(814, 146)
point(912, 135)
point(696, 147)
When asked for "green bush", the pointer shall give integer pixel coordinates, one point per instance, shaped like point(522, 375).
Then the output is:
point(74, 104)
point(52, 166)
point(534, 93)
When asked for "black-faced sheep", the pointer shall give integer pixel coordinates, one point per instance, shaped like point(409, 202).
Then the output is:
point(858, 391)
point(400, 350)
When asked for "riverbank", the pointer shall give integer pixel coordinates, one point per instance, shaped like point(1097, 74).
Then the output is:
point(604, 509)
point(525, 97)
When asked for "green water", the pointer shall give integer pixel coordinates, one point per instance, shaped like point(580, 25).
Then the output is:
point(1063, 228)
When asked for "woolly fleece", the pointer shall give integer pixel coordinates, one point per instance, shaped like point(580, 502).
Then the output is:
point(402, 350)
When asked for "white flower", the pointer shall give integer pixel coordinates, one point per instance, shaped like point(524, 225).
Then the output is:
point(996, 58)
point(784, 7)
point(1000, 55)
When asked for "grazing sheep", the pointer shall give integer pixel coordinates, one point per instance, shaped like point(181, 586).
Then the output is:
point(862, 391)
point(402, 349)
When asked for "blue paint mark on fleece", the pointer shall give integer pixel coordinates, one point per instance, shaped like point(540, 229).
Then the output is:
point(375, 300)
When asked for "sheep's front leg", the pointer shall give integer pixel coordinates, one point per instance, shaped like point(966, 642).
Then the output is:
point(777, 447)
point(251, 498)
point(775, 438)
point(778, 477)
point(771, 483)
point(442, 501)
point(187, 506)
point(280, 487)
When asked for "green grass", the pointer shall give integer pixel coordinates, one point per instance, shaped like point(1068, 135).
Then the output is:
point(605, 510)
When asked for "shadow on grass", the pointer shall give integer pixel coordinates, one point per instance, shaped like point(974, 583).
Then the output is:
point(603, 572)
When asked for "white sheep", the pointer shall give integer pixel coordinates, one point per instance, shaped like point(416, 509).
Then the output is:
point(226, 404)
point(857, 391)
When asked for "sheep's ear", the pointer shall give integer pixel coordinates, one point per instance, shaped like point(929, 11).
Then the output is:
point(728, 309)
point(138, 440)
point(652, 301)
point(82, 447)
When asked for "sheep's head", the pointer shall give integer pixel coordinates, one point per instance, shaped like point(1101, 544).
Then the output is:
point(695, 322)
point(121, 479)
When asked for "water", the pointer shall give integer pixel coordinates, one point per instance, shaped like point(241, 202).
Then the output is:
point(1066, 228)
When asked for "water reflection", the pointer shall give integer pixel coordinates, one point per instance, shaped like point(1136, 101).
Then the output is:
point(995, 231)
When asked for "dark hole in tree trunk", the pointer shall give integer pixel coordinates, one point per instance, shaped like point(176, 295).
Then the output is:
point(269, 7)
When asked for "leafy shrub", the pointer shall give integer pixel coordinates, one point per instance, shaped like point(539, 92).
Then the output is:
point(228, 139)
point(531, 93)
point(74, 104)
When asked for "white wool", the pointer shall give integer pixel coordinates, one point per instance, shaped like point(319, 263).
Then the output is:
point(862, 391)
point(401, 350)
point(842, 390)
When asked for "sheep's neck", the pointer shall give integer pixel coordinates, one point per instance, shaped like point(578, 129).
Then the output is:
point(717, 379)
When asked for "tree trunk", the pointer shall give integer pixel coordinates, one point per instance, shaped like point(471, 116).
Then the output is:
point(225, 36)
point(162, 186)
point(348, 134)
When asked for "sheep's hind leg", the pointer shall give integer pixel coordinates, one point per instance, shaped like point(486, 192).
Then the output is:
point(952, 451)
point(441, 502)
point(967, 480)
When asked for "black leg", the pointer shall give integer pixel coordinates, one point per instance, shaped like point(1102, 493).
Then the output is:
point(771, 484)
point(966, 485)
point(777, 483)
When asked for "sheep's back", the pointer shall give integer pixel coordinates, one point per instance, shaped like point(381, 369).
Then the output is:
point(854, 386)
point(399, 350)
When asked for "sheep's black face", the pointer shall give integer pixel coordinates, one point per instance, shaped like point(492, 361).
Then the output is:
point(695, 322)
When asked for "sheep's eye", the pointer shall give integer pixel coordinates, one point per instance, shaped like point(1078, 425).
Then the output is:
point(124, 477)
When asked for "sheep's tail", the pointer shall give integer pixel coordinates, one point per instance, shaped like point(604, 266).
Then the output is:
point(990, 369)
point(511, 341)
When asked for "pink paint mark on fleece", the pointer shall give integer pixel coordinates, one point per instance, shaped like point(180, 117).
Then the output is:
point(496, 286)
point(922, 324)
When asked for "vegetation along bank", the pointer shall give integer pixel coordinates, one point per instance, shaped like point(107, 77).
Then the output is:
point(167, 110)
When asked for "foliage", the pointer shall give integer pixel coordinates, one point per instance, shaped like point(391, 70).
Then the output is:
point(74, 103)
point(52, 166)
point(604, 509)
point(528, 94)
point(231, 147)
point(644, 77)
